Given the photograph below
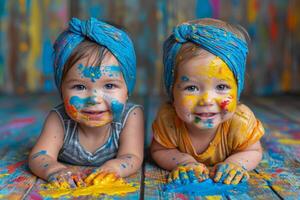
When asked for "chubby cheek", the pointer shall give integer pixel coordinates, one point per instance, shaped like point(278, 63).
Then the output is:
point(70, 109)
point(185, 105)
point(227, 104)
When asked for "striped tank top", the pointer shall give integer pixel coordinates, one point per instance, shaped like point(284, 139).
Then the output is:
point(72, 152)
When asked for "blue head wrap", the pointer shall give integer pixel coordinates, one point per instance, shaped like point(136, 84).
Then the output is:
point(115, 40)
point(231, 49)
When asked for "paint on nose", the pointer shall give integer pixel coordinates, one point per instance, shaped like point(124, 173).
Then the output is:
point(80, 103)
point(203, 99)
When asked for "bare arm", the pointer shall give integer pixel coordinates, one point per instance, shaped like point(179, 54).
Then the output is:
point(43, 156)
point(248, 158)
point(131, 150)
point(169, 159)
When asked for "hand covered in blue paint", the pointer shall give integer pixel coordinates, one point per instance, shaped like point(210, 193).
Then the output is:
point(189, 173)
point(229, 173)
point(67, 178)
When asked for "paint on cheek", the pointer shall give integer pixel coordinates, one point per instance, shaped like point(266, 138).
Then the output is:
point(117, 109)
point(80, 103)
point(189, 101)
point(224, 104)
point(91, 72)
point(71, 110)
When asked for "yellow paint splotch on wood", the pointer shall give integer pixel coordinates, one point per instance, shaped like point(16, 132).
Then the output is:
point(116, 187)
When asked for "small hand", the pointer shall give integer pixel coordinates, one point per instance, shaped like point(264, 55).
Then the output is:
point(67, 178)
point(189, 173)
point(101, 175)
point(229, 173)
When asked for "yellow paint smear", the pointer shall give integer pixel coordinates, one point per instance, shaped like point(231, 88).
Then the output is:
point(119, 187)
point(289, 141)
point(2, 175)
point(216, 197)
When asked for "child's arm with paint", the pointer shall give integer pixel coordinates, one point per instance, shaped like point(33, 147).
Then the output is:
point(234, 168)
point(131, 150)
point(43, 157)
point(181, 164)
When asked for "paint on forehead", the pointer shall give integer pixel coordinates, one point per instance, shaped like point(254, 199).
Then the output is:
point(184, 78)
point(117, 109)
point(80, 103)
point(91, 72)
point(111, 71)
point(217, 68)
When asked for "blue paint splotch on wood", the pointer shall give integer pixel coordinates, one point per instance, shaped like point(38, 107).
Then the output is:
point(205, 188)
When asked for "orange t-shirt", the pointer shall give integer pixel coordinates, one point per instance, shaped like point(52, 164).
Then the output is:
point(233, 135)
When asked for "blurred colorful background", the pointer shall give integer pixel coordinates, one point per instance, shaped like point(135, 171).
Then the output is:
point(29, 27)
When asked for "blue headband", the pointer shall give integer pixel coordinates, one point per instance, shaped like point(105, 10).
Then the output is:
point(115, 40)
point(232, 50)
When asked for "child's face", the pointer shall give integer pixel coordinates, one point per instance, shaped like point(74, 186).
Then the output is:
point(94, 95)
point(205, 92)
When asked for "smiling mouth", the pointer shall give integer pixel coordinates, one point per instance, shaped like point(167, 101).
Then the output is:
point(207, 115)
point(93, 114)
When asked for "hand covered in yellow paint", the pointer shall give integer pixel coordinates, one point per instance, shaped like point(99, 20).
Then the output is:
point(67, 178)
point(229, 173)
point(189, 173)
point(102, 176)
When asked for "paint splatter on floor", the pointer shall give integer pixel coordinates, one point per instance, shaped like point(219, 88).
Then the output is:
point(207, 187)
point(119, 187)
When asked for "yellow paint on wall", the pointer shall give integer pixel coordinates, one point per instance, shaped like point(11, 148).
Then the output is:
point(34, 32)
point(252, 12)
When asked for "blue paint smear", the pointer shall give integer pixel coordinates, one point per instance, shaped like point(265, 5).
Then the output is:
point(209, 123)
point(43, 152)
point(91, 72)
point(207, 187)
point(80, 103)
point(112, 70)
point(184, 78)
point(117, 109)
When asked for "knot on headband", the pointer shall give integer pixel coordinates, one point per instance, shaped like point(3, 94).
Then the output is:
point(183, 32)
point(224, 44)
point(114, 39)
point(82, 27)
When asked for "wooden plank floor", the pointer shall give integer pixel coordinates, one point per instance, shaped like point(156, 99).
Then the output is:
point(276, 177)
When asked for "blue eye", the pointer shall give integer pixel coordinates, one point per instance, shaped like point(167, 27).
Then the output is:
point(109, 86)
point(222, 87)
point(191, 88)
point(78, 87)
